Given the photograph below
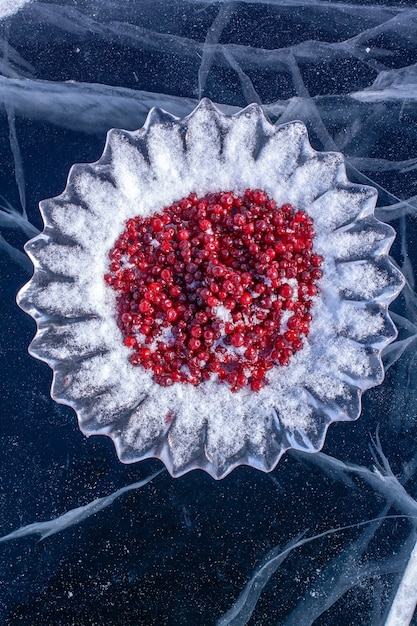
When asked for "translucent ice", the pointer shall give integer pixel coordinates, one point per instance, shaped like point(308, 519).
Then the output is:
point(209, 425)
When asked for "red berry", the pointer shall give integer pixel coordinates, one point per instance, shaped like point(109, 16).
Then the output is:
point(171, 315)
point(183, 234)
point(285, 291)
point(256, 385)
point(291, 335)
point(237, 340)
point(157, 224)
point(144, 353)
point(130, 341)
point(205, 224)
point(316, 260)
point(245, 299)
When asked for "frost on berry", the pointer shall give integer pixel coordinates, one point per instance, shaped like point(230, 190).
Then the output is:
point(218, 287)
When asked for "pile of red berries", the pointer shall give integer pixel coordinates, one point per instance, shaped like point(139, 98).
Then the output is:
point(203, 287)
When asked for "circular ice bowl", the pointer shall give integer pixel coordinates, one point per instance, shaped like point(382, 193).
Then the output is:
point(210, 427)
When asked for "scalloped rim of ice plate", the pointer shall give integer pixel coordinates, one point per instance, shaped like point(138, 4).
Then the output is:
point(281, 438)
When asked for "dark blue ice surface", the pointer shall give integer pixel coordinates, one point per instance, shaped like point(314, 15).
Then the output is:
point(180, 551)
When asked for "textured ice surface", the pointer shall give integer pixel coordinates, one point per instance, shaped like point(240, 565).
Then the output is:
point(71, 70)
point(140, 173)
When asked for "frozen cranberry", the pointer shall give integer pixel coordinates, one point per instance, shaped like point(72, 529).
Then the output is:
point(202, 287)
